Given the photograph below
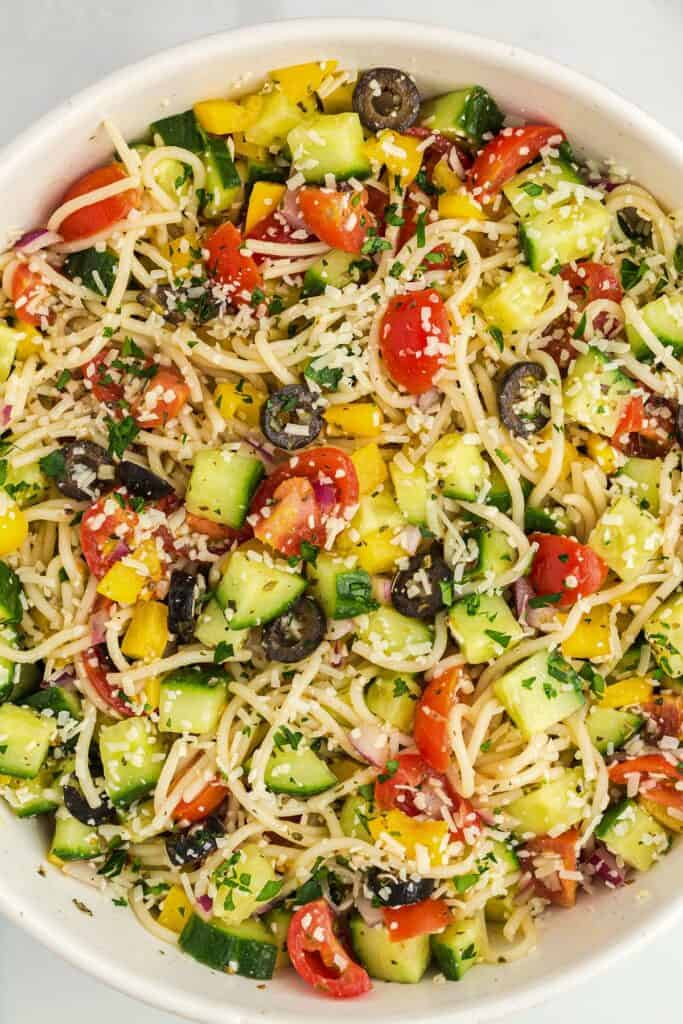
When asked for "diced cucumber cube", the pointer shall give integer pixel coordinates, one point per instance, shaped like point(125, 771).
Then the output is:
point(495, 553)
point(403, 962)
point(329, 144)
point(664, 633)
point(392, 634)
point(212, 629)
point(515, 304)
point(610, 728)
point(57, 699)
point(528, 191)
point(248, 949)
point(25, 737)
point(484, 627)
point(74, 841)
point(276, 119)
point(256, 591)
point(595, 393)
point(539, 691)
point(222, 484)
point(244, 882)
point(355, 813)
point(458, 948)
point(132, 757)
point(393, 698)
point(631, 833)
point(334, 268)
point(31, 797)
point(343, 591)
point(469, 113)
point(639, 479)
point(296, 769)
point(627, 538)
point(664, 317)
point(552, 807)
point(456, 461)
point(192, 700)
point(564, 233)
point(412, 492)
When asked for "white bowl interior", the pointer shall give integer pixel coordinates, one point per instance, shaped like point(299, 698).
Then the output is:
point(33, 173)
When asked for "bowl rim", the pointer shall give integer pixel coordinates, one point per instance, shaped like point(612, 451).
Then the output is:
point(55, 124)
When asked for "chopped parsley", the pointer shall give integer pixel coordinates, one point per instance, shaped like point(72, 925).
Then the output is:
point(122, 433)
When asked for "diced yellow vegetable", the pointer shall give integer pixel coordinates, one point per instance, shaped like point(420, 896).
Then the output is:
point(370, 468)
point(341, 100)
point(264, 200)
point(634, 690)
point(249, 149)
point(399, 827)
point(223, 117)
point(176, 909)
point(660, 814)
point(121, 584)
point(153, 692)
point(360, 419)
point(602, 452)
point(400, 154)
point(446, 178)
point(460, 205)
point(638, 596)
point(570, 455)
point(300, 81)
point(13, 526)
point(241, 401)
point(30, 342)
point(148, 556)
point(591, 638)
point(183, 252)
point(378, 552)
point(147, 634)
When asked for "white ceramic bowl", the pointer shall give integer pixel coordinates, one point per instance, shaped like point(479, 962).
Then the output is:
point(33, 173)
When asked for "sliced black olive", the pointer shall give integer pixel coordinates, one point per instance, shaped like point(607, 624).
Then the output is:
point(418, 591)
point(291, 418)
point(88, 471)
point(295, 634)
point(195, 844)
point(386, 98)
point(634, 226)
point(395, 892)
point(141, 482)
point(79, 808)
point(183, 592)
point(522, 402)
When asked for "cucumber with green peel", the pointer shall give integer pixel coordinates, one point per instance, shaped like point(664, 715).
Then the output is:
point(73, 840)
point(57, 699)
point(498, 494)
point(325, 144)
point(458, 948)
point(276, 119)
point(564, 233)
point(539, 692)
point(245, 882)
point(132, 755)
point(495, 553)
point(516, 303)
point(457, 463)
point(356, 811)
point(192, 700)
point(529, 191)
point(25, 737)
point(171, 175)
point(17, 680)
point(335, 268)
point(343, 591)
point(394, 635)
point(27, 485)
point(393, 698)
point(484, 627)
point(664, 633)
point(248, 949)
point(639, 478)
point(277, 922)
point(629, 832)
point(403, 962)
point(627, 538)
point(294, 768)
point(664, 317)
point(377, 512)
point(596, 393)
point(469, 114)
point(412, 492)
point(266, 170)
point(223, 186)
point(547, 520)
point(29, 798)
point(182, 130)
point(552, 807)
point(212, 628)
point(257, 591)
point(11, 590)
point(610, 728)
point(222, 484)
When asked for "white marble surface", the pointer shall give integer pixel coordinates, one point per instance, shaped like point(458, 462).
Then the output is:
point(51, 48)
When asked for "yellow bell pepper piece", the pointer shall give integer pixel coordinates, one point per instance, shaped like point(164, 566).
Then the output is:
point(183, 253)
point(175, 910)
point(634, 690)
point(153, 692)
point(459, 205)
point(249, 149)
point(264, 200)
point(570, 455)
point(341, 100)
point(602, 452)
point(371, 468)
point(300, 81)
point(638, 596)
point(223, 117)
point(148, 556)
point(360, 419)
point(147, 634)
point(432, 835)
point(13, 526)
point(443, 177)
point(121, 584)
point(378, 552)
point(660, 814)
point(241, 401)
point(591, 638)
point(399, 153)
point(30, 341)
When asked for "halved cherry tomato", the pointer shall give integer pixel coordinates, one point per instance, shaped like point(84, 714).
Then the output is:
point(328, 469)
point(630, 421)
point(231, 265)
point(565, 847)
point(104, 380)
point(99, 216)
point(415, 339)
point(29, 294)
point(318, 956)
point(105, 527)
point(667, 713)
point(162, 400)
point(431, 730)
point(96, 665)
point(423, 918)
point(564, 569)
point(647, 764)
point(594, 281)
point(295, 516)
point(647, 428)
point(665, 796)
point(501, 158)
point(204, 804)
point(276, 228)
point(341, 219)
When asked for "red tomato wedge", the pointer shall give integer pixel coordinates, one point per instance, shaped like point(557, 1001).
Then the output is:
point(431, 730)
point(562, 891)
point(667, 713)
point(29, 295)
point(341, 219)
point(96, 665)
point(162, 400)
point(647, 764)
point(276, 228)
point(594, 281)
point(334, 483)
point(295, 517)
point(565, 570)
point(630, 421)
point(231, 265)
point(318, 956)
point(106, 529)
point(414, 339)
point(423, 918)
point(103, 214)
point(501, 158)
point(665, 796)
point(104, 380)
point(204, 804)
point(216, 531)
point(647, 428)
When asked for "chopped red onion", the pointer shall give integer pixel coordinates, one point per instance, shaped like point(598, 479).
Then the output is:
point(206, 903)
point(605, 867)
point(522, 592)
point(258, 447)
point(98, 626)
point(5, 415)
point(381, 589)
point(371, 742)
point(325, 495)
point(291, 210)
point(39, 238)
point(339, 628)
point(427, 399)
